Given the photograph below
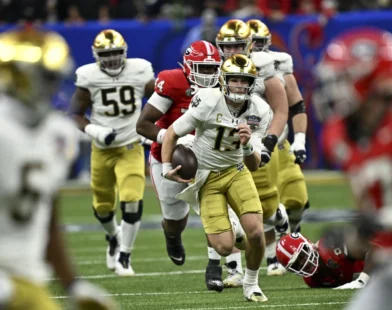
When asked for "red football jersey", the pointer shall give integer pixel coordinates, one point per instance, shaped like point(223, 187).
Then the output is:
point(174, 85)
point(368, 165)
point(334, 269)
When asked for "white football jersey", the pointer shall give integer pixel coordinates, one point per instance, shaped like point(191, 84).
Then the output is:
point(117, 100)
point(283, 64)
point(217, 145)
point(265, 64)
point(34, 162)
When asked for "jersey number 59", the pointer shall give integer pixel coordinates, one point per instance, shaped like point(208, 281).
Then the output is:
point(127, 98)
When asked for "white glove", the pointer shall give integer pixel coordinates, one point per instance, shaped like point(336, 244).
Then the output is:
point(145, 141)
point(102, 134)
point(88, 296)
point(186, 140)
point(356, 284)
point(298, 147)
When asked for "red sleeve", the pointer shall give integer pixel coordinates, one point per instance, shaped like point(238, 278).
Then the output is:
point(163, 84)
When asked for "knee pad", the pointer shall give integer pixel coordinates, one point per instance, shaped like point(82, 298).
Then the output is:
point(104, 217)
point(132, 211)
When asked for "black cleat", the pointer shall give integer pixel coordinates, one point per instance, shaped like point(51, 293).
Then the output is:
point(214, 278)
point(113, 243)
point(175, 249)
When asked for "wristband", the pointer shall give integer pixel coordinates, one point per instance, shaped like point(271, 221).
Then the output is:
point(160, 135)
point(270, 142)
point(166, 167)
point(247, 149)
point(300, 137)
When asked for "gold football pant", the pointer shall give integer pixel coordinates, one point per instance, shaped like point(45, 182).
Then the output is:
point(30, 296)
point(291, 181)
point(233, 186)
point(121, 168)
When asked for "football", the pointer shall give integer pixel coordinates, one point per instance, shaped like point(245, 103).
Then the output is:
point(184, 156)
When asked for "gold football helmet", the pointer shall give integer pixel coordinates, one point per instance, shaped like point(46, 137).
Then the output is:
point(110, 51)
point(233, 37)
point(238, 65)
point(32, 64)
point(261, 36)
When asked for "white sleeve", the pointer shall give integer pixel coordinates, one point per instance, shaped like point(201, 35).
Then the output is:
point(186, 124)
point(161, 103)
point(261, 130)
point(81, 78)
point(286, 66)
point(148, 72)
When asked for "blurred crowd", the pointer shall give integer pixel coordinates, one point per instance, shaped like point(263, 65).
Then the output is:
point(78, 11)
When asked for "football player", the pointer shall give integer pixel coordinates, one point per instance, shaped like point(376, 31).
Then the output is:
point(235, 36)
point(37, 148)
point(290, 182)
point(354, 102)
point(320, 264)
point(113, 88)
point(229, 127)
point(174, 90)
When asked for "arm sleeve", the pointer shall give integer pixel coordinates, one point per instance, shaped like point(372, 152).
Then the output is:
point(163, 104)
point(186, 124)
point(261, 130)
point(81, 79)
point(286, 66)
point(148, 72)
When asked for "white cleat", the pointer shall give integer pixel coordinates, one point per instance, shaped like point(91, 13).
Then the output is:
point(123, 266)
point(254, 293)
point(112, 250)
point(275, 268)
point(357, 284)
point(234, 278)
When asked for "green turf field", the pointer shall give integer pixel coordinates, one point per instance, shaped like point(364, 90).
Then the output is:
point(159, 284)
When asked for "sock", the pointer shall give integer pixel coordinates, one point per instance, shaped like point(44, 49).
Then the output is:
point(129, 233)
point(213, 257)
point(110, 226)
point(251, 277)
point(270, 250)
point(235, 257)
point(363, 277)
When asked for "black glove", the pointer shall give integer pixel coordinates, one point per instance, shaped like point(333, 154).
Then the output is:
point(269, 143)
point(110, 138)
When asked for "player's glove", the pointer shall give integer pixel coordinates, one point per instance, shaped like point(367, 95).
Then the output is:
point(100, 133)
point(298, 148)
point(87, 296)
point(145, 141)
point(186, 140)
point(267, 148)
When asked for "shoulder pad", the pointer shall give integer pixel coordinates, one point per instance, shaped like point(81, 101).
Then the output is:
point(284, 62)
point(261, 59)
point(205, 101)
point(84, 74)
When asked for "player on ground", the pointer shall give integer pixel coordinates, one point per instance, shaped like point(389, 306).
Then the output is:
point(354, 101)
point(320, 264)
point(291, 182)
point(37, 148)
point(174, 90)
point(113, 88)
point(229, 127)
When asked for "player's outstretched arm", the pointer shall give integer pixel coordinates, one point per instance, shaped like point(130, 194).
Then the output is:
point(277, 99)
point(298, 115)
point(84, 294)
point(145, 125)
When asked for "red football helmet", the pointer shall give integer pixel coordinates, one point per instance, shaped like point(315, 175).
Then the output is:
point(297, 254)
point(201, 64)
point(351, 70)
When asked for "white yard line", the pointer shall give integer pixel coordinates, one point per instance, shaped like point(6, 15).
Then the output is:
point(258, 305)
point(145, 274)
point(136, 248)
point(141, 260)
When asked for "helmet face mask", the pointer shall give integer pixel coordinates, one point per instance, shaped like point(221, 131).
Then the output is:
point(261, 44)
point(298, 255)
point(238, 71)
point(201, 64)
point(110, 51)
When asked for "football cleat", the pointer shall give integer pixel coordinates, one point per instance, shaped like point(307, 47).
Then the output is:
point(175, 249)
point(234, 277)
point(274, 267)
point(356, 284)
point(112, 251)
point(123, 265)
point(214, 278)
point(254, 293)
